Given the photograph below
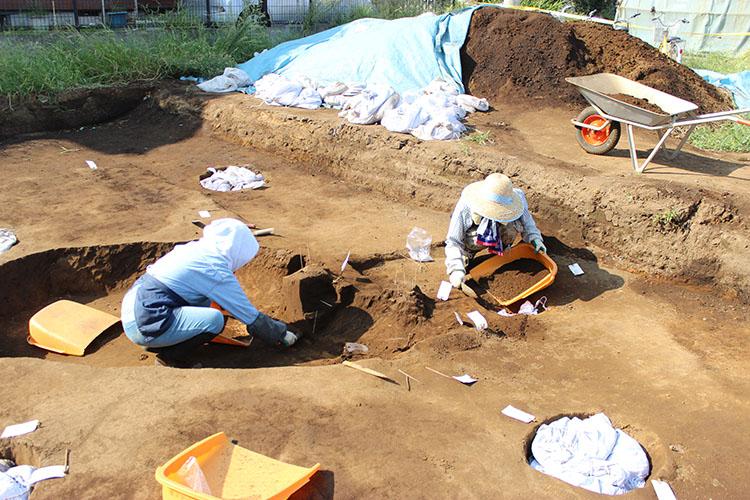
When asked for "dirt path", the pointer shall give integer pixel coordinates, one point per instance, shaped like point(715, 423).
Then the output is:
point(666, 361)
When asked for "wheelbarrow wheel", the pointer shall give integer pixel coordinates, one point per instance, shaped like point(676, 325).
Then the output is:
point(597, 142)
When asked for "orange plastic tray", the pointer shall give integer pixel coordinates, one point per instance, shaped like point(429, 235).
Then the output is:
point(67, 327)
point(520, 251)
point(232, 472)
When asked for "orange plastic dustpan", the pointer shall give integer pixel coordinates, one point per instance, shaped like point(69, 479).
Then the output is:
point(68, 327)
point(232, 472)
point(520, 251)
point(243, 341)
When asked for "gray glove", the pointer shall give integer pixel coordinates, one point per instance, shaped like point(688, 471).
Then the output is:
point(267, 329)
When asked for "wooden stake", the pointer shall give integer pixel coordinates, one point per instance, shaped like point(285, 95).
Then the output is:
point(435, 371)
point(408, 379)
point(369, 371)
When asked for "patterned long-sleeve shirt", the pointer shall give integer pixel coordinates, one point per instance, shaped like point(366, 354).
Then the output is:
point(460, 243)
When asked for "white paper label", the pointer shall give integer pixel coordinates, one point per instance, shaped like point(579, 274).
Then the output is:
point(663, 490)
point(20, 429)
point(480, 322)
point(465, 379)
point(575, 269)
point(512, 412)
point(346, 261)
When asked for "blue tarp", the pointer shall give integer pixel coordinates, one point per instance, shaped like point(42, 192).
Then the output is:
point(737, 83)
point(406, 53)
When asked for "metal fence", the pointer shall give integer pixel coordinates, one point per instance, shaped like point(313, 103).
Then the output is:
point(58, 14)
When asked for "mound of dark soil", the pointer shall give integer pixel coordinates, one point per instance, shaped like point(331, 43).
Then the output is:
point(529, 55)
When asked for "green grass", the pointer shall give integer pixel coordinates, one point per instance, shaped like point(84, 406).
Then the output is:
point(480, 138)
point(718, 61)
point(544, 4)
point(666, 218)
point(87, 59)
point(330, 13)
point(728, 136)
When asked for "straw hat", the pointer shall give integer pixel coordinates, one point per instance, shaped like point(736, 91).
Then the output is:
point(494, 198)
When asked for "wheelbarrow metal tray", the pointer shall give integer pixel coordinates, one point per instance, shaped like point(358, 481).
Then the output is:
point(596, 89)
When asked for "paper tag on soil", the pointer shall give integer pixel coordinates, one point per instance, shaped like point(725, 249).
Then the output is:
point(575, 269)
point(20, 429)
point(346, 261)
point(663, 490)
point(204, 213)
point(465, 379)
point(91, 164)
point(49, 472)
point(458, 318)
point(480, 322)
point(444, 291)
point(513, 412)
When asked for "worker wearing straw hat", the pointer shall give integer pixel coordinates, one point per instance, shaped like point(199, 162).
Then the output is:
point(490, 214)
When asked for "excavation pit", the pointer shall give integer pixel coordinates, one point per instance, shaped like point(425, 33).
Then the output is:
point(388, 316)
point(625, 454)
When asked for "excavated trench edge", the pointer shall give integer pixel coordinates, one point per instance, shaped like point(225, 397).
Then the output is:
point(619, 218)
point(281, 283)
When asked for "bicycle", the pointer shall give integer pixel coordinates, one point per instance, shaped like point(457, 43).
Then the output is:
point(671, 46)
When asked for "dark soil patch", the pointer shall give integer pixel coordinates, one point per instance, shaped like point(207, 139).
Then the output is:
point(70, 109)
point(641, 103)
point(530, 54)
point(513, 278)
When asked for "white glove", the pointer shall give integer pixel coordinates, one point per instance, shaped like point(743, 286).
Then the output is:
point(457, 278)
point(289, 339)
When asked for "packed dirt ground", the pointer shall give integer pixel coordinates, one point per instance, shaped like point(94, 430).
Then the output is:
point(654, 334)
point(665, 360)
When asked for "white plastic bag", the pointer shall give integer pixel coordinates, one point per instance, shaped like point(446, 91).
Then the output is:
point(418, 243)
point(193, 477)
point(230, 81)
point(7, 239)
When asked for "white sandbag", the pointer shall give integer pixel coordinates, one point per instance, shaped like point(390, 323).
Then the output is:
point(230, 81)
point(590, 453)
point(232, 178)
point(471, 103)
point(333, 89)
point(439, 129)
point(368, 106)
point(308, 98)
point(404, 118)
point(440, 86)
point(277, 90)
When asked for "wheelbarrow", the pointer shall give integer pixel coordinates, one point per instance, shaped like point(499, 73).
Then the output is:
point(598, 126)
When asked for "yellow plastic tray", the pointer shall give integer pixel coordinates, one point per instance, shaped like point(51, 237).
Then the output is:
point(520, 251)
point(67, 327)
point(232, 472)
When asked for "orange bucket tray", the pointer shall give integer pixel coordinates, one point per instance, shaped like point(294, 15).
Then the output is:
point(517, 252)
point(67, 327)
point(232, 472)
